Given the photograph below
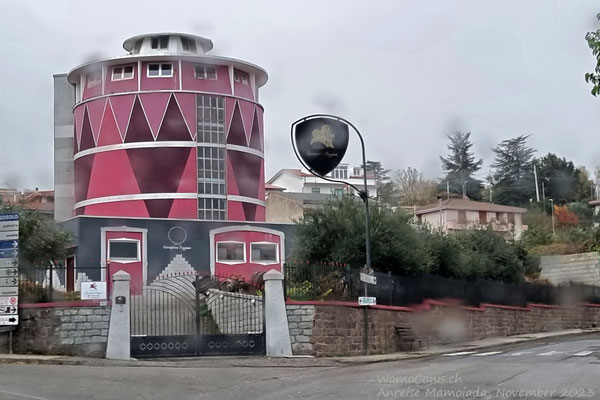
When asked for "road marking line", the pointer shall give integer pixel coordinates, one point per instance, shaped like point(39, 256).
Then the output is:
point(551, 353)
point(520, 353)
point(460, 353)
point(24, 395)
point(489, 353)
point(582, 354)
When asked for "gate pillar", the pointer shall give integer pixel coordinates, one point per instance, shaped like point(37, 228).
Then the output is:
point(119, 345)
point(277, 333)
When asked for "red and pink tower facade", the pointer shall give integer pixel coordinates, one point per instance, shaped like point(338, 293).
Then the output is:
point(168, 131)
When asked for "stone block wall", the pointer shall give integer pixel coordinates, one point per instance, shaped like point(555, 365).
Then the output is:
point(301, 324)
point(580, 268)
point(338, 330)
point(62, 330)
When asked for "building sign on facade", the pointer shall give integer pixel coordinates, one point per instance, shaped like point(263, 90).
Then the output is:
point(321, 143)
point(93, 290)
point(9, 268)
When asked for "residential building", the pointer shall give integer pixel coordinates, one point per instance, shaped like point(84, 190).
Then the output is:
point(300, 181)
point(160, 163)
point(288, 207)
point(38, 200)
point(595, 204)
point(182, 130)
point(460, 214)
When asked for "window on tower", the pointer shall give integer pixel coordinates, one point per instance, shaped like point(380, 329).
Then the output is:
point(159, 42)
point(205, 72)
point(212, 185)
point(94, 78)
point(240, 76)
point(160, 70)
point(188, 45)
point(122, 73)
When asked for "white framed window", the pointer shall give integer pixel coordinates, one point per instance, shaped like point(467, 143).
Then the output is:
point(340, 173)
point(240, 76)
point(188, 45)
point(159, 42)
point(231, 252)
point(124, 250)
point(94, 78)
point(315, 189)
point(121, 73)
point(162, 70)
point(264, 253)
point(208, 72)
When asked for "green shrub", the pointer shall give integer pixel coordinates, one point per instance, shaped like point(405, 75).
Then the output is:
point(336, 233)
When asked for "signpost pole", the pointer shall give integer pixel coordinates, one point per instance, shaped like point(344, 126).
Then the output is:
point(365, 197)
point(9, 271)
point(320, 142)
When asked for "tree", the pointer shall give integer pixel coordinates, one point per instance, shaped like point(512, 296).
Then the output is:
point(584, 185)
point(513, 175)
point(336, 232)
point(460, 165)
point(385, 188)
point(565, 217)
point(413, 189)
point(41, 241)
point(560, 178)
point(593, 40)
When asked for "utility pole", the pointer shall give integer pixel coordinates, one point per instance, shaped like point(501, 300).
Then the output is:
point(543, 195)
point(491, 182)
point(552, 202)
point(537, 190)
point(447, 190)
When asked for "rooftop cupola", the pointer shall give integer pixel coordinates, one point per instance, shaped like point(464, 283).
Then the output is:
point(167, 43)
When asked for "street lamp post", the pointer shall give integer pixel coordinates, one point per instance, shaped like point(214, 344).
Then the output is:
point(552, 202)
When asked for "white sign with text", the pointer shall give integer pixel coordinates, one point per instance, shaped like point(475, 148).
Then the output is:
point(367, 301)
point(93, 290)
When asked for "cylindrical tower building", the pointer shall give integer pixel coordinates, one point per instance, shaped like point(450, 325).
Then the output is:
point(167, 131)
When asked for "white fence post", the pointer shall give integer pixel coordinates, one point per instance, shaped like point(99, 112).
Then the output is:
point(119, 341)
point(276, 324)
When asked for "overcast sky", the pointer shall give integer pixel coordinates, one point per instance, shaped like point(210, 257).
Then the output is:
point(407, 73)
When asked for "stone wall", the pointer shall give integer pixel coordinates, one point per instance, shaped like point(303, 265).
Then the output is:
point(337, 330)
point(581, 268)
point(81, 330)
point(301, 323)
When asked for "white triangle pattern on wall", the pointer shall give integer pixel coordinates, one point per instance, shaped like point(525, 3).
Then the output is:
point(177, 266)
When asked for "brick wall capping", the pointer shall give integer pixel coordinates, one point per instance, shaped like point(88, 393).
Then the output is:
point(428, 303)
point(75, 303)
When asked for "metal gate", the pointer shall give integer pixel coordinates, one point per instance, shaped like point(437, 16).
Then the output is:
point(192, 315)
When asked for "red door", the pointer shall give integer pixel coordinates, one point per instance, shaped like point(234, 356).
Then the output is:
point(70, 274)
point(124, 252)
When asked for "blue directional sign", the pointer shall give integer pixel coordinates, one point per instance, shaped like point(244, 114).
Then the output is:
point(9, 217)
point(9, 244)
point(9, 253)
point(9, 268)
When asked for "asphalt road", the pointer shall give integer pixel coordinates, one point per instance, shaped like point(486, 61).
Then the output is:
point(565, 369)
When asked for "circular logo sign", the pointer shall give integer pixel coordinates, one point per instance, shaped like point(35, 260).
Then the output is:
point(177, 235)
point(321, 143)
